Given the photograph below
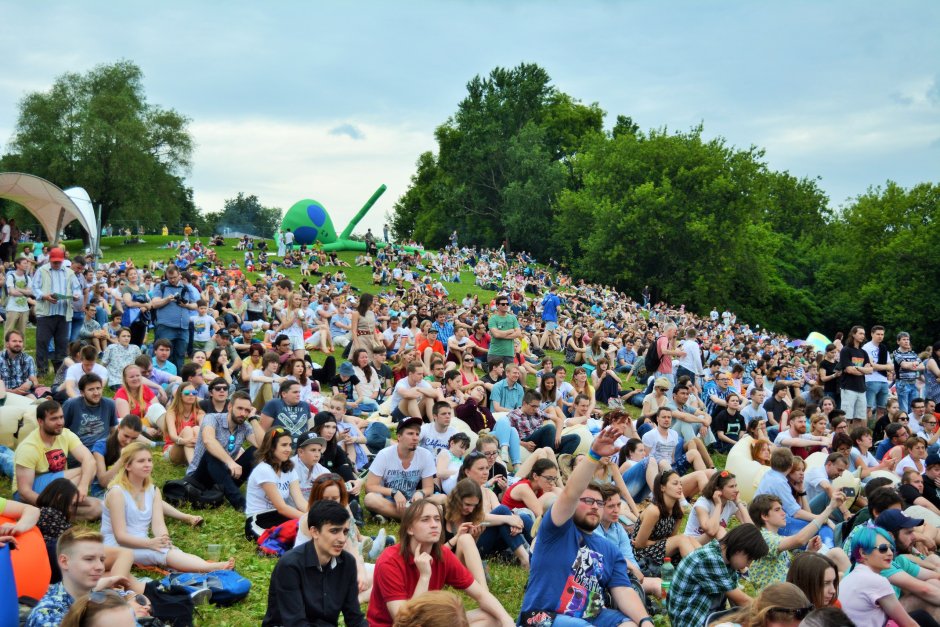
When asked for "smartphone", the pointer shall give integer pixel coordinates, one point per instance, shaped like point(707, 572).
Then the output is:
point(848, 492)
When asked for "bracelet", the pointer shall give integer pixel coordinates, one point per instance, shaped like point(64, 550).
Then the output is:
point(646, 620)
point(593, 456)
point(818, 526)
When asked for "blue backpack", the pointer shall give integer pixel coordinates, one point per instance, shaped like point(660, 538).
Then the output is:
point(227, 586)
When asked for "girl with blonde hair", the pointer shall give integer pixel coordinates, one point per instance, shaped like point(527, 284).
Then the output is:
point(133, 507)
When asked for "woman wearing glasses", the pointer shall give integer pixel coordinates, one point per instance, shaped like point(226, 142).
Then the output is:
point(133, 507)
point(865, 594)
point(182, 425)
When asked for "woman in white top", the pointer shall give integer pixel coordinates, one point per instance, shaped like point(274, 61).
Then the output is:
point(866, 596)
point(293, 323)
point(711, 512)
point(915, 449)
point(298, 371)
point(273, 495)
point(133, 506)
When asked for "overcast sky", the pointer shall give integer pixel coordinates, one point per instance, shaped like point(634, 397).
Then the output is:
point(290, 100)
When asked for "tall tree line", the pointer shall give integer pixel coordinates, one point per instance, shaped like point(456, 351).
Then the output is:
point(705, 223)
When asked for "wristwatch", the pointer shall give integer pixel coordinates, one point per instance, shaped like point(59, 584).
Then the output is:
point(394, 492)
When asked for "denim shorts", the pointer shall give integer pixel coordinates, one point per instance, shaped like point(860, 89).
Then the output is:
point(876, 394)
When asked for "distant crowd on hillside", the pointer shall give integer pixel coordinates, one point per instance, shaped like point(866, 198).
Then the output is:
point(311, 405)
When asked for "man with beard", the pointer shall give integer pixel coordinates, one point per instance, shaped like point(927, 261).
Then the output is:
point(17, 369)
point(917, 587)
point(219, 458)
point(571, 566)
point(42, 457)
point(90, 416)
point(795, 438)
point(287, 411)
point(397, 471)
point(421, 563)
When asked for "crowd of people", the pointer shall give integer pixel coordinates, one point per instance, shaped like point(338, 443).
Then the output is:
point(314, 406)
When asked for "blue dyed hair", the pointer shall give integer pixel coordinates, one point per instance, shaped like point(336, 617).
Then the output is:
point(866, 539)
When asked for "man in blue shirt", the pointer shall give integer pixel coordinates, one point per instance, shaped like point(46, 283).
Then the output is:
point(172, 300)
point(507, 394)
point(613, 530)
point(775, 482)
point(571, 566)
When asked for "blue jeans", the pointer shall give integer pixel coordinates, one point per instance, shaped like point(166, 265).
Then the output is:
point(876, 394)
point(78, 321)
point(366, 405)
point(635, 480)
point(508, 436)
point(179, 338)
point(820, 502)
point(498, 538)
point(907, 391)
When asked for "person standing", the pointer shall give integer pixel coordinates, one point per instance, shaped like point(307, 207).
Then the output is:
point(19, 292)
point(854, 363)
point(550, 304)
point(79, 302)
point(666, 349)
point(908, 367)
point(172, 300)
point(5, 231)
point(55, 288)
point(504, 329)
point(876, 383)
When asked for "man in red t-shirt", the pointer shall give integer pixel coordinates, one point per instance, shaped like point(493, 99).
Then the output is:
point(420, 563)
point(666, 349)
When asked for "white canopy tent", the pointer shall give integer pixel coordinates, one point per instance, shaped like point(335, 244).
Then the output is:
point(53, 207)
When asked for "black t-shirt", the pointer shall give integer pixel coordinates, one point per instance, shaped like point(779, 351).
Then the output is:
point(930, 491)
point(851, 356)
point(206, 406)
point(832, 385)
point(733, 426)
point(776, 407)
point(346, 387)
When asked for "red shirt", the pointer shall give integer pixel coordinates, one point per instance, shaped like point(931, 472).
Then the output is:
point(137, 410)
point(512, 503)
point(665, 361)
point(396, 580)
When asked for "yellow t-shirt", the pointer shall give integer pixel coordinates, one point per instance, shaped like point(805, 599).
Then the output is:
point(33, 453)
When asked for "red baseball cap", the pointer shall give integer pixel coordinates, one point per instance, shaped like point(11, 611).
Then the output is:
point(56, 254)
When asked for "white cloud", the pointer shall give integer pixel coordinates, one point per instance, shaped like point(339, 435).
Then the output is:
point(283, 162)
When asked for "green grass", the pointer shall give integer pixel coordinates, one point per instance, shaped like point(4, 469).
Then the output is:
point(225, 526)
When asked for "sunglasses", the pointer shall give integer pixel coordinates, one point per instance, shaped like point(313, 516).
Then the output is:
point(216, 388)
point(189, 392)
point(798, 613)
point(231, 443)
point(883, 548)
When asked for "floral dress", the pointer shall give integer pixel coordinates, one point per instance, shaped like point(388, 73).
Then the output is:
point(655, 554)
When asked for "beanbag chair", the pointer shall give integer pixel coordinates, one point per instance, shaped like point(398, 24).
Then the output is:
point(30, 560)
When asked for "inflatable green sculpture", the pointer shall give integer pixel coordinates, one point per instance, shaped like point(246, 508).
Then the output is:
point(310, 222)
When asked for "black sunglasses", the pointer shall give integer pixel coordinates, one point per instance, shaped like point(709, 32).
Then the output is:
point(798, 613)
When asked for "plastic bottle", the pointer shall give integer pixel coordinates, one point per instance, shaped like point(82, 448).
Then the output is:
point(666, 573)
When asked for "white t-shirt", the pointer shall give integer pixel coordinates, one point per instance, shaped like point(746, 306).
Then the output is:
point(904, 464)
point(435, 441)
point(402, 333)
point(404, 385)
point(203, 328)
point(869, 459)
point(812, 480)
point(256, 501)
point(694, 528)
point(859, 593)
point(876, 375)
point(75, 372)
point(388, 465)
point(305, 476)
point(661, 449)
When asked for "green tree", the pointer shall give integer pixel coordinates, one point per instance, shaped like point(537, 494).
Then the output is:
point(502, 158)
point(246, 214)
point(97, 130)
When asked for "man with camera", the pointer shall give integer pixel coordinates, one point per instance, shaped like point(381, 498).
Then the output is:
point(172, 302)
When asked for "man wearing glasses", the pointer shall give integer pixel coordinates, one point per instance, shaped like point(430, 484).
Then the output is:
point(219, 458)
point(572, 567)
point(217, 403)
point(504, 329)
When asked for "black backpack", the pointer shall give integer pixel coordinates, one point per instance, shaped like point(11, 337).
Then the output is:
point(172, 605)
point(188, 491)
point(652, 358)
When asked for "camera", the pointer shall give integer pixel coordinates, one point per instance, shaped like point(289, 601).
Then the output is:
point(181, 299)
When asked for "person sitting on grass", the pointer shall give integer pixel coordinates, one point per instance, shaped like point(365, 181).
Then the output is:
point(768, 514)
point(572, 567)
point(81, 558)
point(779, 605)
point(42, 457)
point(420, 563)
point(273, 494)
point(612, 528)
point(712, 511)
point(412, 395)
point(708, 578)
point(316, 581)
point(817, 576)
point(134, 506)
point(656, 535)
point(400, 473)
point(219, 458)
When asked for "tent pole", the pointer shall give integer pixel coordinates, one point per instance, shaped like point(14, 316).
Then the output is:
point(58, 227)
